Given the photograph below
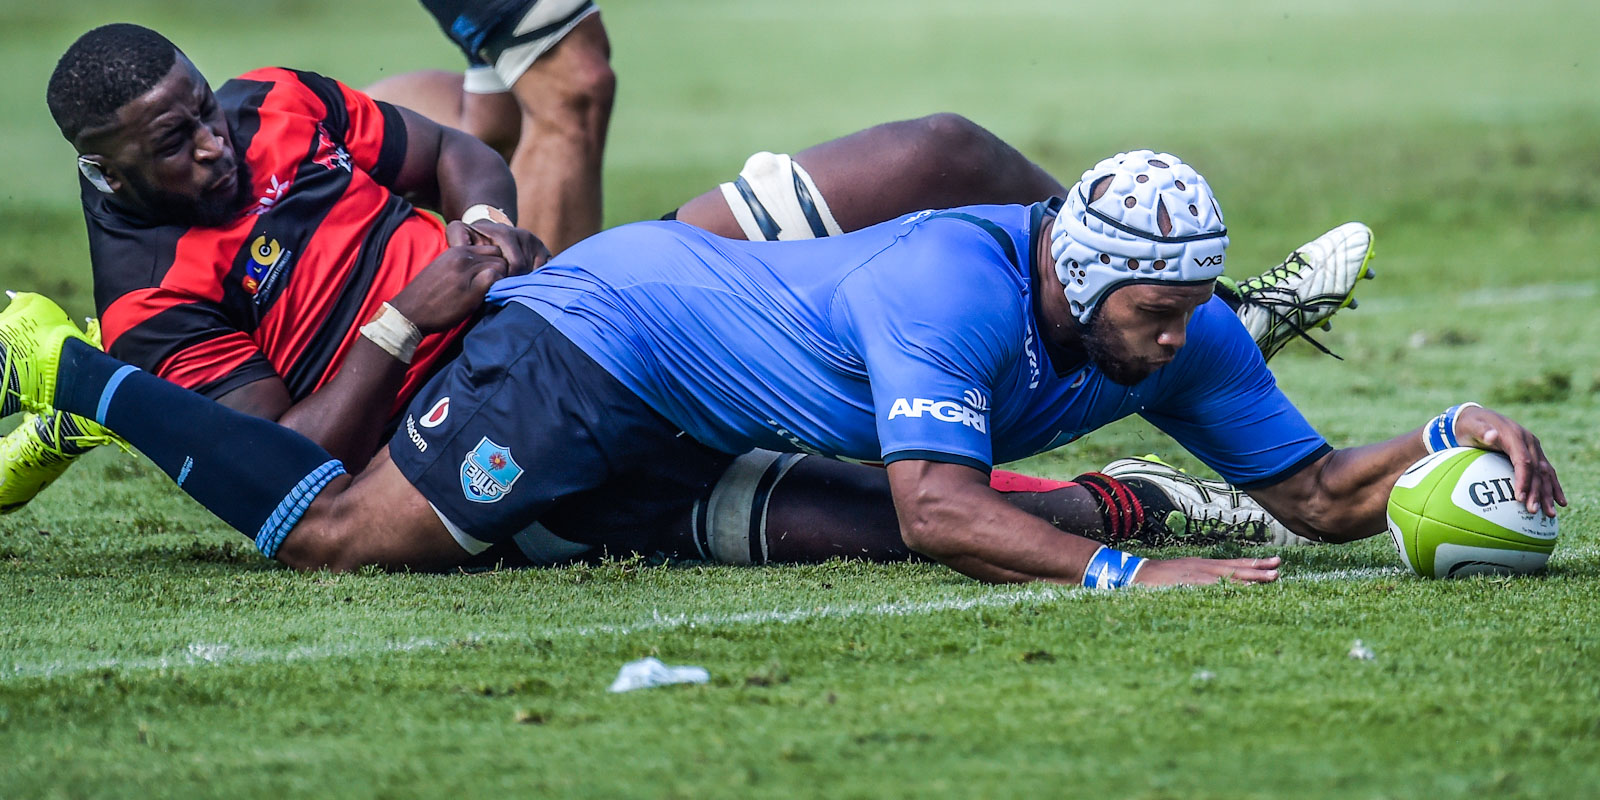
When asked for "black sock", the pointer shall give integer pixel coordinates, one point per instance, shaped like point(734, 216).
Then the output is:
point(255, 475)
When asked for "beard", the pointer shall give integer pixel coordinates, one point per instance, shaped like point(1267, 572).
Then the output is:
point(1109, 355)
point(208, 211)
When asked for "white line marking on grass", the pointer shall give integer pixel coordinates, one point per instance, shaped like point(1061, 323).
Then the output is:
point(222, 654)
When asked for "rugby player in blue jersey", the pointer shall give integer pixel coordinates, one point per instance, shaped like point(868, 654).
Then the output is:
point(767, 507)
point(611, 388)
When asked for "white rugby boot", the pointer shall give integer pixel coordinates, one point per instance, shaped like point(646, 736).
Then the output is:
point(1303, 292)
point(1207, 512)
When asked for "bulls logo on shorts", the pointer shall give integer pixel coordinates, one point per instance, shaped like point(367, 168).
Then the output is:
point(488, 472)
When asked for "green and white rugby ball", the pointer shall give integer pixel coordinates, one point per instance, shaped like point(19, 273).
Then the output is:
point(1453, 514)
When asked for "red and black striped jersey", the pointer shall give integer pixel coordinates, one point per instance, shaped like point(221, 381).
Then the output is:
point(284, 288)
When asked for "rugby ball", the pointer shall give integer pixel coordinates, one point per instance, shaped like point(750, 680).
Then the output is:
point(1452, 514)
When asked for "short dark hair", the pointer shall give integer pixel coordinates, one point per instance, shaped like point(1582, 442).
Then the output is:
point(102, 71)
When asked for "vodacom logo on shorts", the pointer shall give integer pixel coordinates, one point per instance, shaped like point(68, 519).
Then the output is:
point(437, 414)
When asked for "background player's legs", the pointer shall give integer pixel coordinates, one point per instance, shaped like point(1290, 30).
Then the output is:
point(554, 61)
point(441, 96)
point(565, 99)
point(897, 168)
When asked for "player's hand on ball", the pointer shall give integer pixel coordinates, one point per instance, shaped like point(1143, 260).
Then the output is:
point(522, 250)
point(1176, 571)
point(451, 288)
point(1535, 483)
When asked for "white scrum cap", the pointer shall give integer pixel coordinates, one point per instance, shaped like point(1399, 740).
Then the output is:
point(1118, 238)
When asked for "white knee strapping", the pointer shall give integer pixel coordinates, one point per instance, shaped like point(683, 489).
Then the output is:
point(730, 527)
point(773, 198)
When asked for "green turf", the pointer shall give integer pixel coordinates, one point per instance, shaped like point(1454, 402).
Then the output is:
point(146, 651)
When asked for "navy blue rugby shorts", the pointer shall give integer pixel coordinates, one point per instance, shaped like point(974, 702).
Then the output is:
point(486, 29)
point(524, 426)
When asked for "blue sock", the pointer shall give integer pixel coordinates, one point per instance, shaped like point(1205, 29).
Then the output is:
point(256, 475)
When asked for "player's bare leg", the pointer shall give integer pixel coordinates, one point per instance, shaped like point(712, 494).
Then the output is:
point(565, 99)
point(898, 168)
point(376, 518)
point(440, 95)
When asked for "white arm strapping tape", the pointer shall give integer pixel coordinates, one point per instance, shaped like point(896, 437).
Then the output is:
point(390, 330)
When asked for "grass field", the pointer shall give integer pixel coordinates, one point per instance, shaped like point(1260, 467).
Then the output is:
point(147, 651)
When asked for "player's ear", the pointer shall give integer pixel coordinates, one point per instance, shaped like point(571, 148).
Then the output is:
point(93, 170)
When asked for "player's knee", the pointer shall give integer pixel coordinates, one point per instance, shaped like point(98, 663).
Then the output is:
point(578, 91)
point(959, 141)
point(959, 155)
point(594, 88)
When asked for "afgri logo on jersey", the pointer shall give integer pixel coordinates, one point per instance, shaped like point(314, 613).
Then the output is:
point(971, 412)
point(267, 260)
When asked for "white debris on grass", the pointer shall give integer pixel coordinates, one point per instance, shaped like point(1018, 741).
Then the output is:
point(650, 672)
point(1361, 652)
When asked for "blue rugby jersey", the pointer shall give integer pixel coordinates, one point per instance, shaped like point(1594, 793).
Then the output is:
point(914, 338)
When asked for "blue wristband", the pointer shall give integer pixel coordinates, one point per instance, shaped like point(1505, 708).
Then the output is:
point(1441, 431)
point(1111, 569)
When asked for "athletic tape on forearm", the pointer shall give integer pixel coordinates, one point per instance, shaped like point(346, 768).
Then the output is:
point(1111, 569)
point(1441, 431)
point(483, 212)
point(390, 330)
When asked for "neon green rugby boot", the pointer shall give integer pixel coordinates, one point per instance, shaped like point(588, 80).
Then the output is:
point(40, 450)
point(33, 329)
point(32, 332)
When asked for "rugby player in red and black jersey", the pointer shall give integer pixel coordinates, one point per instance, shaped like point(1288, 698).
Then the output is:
point(241, 240)
point(249, 234)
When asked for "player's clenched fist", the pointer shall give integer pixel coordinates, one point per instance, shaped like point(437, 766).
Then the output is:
point(451, 288)
point(522, 250)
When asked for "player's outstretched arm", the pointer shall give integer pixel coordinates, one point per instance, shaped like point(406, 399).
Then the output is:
point(949, 513)
point(1342, 496)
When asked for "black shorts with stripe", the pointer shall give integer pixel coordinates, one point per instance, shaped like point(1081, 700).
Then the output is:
point(484, 29)
point(524, 426)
